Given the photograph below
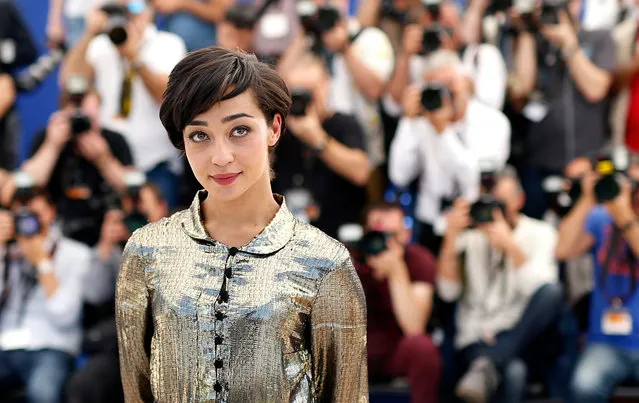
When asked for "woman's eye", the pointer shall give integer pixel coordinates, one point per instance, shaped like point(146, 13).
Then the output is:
point(198, 137)
point(240, 131)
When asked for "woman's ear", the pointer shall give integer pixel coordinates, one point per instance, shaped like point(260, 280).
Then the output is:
point(276, 130)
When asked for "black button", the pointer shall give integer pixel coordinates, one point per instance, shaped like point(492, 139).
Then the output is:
point(219, 315)
point(224, 296)
point(218, 340)
point(233, 251)
point(228, 272)
point(217, 387)
point(218, 363)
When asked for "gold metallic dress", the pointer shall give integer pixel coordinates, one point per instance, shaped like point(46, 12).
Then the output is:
point(282, 319)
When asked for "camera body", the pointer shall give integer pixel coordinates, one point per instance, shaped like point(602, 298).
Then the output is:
point(481, 212)
point(433, 96)
point(118, 20)
point(317, 20)
point(134, 219)
point(301, 99)
point(563, 193)
point(77, 87)
point(373, 243)
point(26, 222)
point(610, 168)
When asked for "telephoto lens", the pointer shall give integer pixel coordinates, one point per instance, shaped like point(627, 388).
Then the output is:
point(374, 242)
point(301, 99)
point(433, 95)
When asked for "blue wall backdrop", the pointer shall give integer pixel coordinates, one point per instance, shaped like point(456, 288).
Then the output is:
point(36, 107)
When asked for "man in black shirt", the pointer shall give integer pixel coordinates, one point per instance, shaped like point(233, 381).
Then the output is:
point(16, 50)
point(321, 165)
point(83, 168)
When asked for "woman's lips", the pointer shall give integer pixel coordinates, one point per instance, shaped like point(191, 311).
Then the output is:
point(225, 179)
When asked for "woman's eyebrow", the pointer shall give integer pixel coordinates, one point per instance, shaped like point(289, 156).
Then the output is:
point(236, 116)
point(198, 123)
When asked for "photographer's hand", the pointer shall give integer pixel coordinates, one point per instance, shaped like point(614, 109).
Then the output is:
point(389, 263)
point(563, 34)
point(93, 147)
point(58, 130)
point(308, 128)
point(620, 208)
point(131, 48)
point(32, 248)
point(411, 101)
point(458, 218)
point(500, 236)
point(7, 229)
point(96, 22)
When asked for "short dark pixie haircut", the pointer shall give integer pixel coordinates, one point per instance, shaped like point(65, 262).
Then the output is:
point(213, 74)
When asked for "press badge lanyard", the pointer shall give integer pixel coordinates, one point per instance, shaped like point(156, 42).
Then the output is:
point(631, 260)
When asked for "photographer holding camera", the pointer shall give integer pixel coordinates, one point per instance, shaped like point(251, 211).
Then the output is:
point(99, 379)
point(322, 165)
point(40, 308)
point(441, 29)
point(442, 138)
point(80, 163)
point(564, 73)
point(361, 62)
point(604, 223)
point(398, 278)
point(503, 274)
point(130, 61)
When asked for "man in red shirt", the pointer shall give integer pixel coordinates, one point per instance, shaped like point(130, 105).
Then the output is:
point(398, 283)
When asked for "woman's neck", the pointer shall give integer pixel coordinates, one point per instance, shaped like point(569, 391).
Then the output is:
point(237, 222)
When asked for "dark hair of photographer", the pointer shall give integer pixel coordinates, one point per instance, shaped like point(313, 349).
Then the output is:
point(79, 163)
point(397, 278)
point(237, 29)
point(324, 151)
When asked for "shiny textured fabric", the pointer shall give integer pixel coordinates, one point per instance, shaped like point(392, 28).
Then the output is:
point(282, 319)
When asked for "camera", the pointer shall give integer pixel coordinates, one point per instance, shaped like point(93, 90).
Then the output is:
point(134, 219)
point(26, 222)
point(77, 87)
point(481, 212)
point(118, 20)
point(374, 242)
point(550, 11)
point(563, 193)
point(611, 167)
point(301, 99)
point(433, 96)
point(317, 20)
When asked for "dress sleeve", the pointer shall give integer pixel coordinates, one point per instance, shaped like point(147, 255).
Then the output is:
point(338, 337)
point(133, 323)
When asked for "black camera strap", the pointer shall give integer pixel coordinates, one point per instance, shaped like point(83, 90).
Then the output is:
point(630, 260)
point(4, 296)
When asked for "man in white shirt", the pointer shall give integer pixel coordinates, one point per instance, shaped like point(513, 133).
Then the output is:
point(503, 274)
point(40, 309)
point(445, 148)
point(484, 62)
point(131, 79)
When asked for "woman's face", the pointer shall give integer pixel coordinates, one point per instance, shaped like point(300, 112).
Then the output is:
point(227, 147)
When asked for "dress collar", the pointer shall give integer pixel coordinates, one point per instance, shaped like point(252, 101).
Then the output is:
point(273, 238)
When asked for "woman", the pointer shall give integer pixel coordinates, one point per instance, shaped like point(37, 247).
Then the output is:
point(234, 299)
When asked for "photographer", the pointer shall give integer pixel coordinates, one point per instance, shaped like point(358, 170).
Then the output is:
point(99, 380)
point(323, 161)
point(130, 61)
point(607, 228)
point(442, 139)
point(80, 163)
point(17, 49)
point(40, 315)
point(361, 62)
point(398, 283)
point(565, 74)
point(503, 273)
point(442, 30)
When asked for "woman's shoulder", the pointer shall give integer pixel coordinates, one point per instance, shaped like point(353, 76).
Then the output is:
point(320, 245)
point(161, 231)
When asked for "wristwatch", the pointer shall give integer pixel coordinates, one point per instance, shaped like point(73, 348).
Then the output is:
point(137, 64)
point(629, 224)
point(321, 146)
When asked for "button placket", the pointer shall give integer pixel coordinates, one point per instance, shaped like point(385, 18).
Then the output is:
point(221, 326)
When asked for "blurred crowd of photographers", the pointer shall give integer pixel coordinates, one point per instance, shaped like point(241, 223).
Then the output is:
point(479, 158)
